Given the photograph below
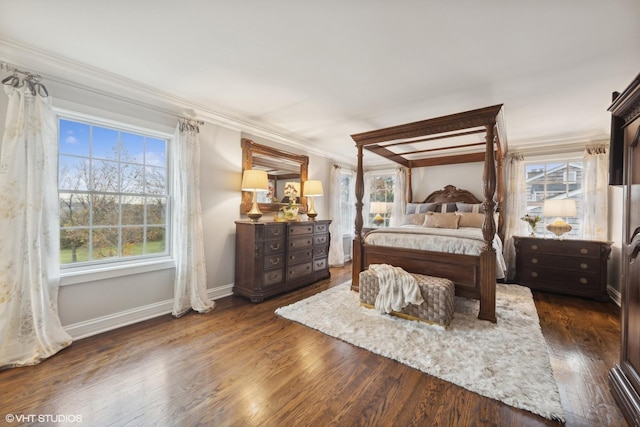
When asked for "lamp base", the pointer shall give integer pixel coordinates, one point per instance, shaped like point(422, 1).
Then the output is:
point(559, 227)
point(312, 215)
point(254, 214)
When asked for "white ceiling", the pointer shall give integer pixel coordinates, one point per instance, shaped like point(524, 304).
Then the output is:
point(318, 72)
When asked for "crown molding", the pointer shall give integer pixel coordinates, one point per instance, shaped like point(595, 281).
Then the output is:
point(75, 74)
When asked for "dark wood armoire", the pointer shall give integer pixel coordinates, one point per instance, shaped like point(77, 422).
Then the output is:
point(625, 377)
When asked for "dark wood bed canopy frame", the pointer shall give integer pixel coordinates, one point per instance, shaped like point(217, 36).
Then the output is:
point(474, 276)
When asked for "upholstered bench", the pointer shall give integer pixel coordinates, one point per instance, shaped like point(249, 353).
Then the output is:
point(437, 293)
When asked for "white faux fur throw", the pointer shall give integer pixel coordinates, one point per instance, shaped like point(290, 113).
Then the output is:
point(397, 288)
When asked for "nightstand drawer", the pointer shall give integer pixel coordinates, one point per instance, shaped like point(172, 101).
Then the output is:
point(319, 264)
point(578, 264)
point(320, 251)
point(321, 239)
point(321, 228)
point(548, 276)
point(273, 261)
point(578, 248)
point(274, 231)
point(273, 247)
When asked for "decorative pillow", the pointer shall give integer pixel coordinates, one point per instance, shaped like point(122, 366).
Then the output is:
point(441, 220)
point(468, 207)
point(446, 207)
point(470, 219)
point(412, 219)
point(416, 208)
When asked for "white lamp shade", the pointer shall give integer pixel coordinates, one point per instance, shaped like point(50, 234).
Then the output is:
point(560, 207)
point(255, 180)
point(378, 207)
point(313, 188)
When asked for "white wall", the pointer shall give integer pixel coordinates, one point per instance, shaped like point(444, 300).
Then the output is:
point(94, 306)
point(467, 176)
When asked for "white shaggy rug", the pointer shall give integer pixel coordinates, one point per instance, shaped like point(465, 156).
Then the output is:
point(507, 361)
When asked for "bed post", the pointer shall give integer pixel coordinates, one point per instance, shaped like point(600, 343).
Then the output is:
point(356, 261)
point(488, 254)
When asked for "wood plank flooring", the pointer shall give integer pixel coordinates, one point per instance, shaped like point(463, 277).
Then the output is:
point(241, 365)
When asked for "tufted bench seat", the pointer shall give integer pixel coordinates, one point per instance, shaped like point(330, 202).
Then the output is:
point(437, 293)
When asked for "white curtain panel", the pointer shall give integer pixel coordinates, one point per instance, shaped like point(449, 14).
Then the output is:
point(514, 209)
point(336, 248)
point(399, 197)
point(190, 287)
point(594, 189)
point(30, 328)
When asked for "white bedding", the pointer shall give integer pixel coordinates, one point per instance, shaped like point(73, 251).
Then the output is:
point(463, 240)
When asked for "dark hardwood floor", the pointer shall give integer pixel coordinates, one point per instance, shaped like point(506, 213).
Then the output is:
point(242, 365)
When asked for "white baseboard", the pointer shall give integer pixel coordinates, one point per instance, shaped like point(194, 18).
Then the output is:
point(102, 324)
point(615, 295)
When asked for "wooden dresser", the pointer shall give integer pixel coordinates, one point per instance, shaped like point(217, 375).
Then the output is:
point(275, 257)
point(573, 267)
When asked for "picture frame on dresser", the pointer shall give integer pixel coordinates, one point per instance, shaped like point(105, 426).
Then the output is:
point(566, 266)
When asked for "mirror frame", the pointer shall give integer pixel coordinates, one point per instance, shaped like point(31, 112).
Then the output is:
point(248, 149)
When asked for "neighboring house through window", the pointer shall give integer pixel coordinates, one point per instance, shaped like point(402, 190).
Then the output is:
point(554, 180)
point(113, 192)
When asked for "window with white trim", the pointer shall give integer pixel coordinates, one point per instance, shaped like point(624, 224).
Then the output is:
point(347, 208)
point(554, 180)
point(381, 190)
point(113, 192)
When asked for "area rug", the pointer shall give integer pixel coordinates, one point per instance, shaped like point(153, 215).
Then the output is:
point(507, 361)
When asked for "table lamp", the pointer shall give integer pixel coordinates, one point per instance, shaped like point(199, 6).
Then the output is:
point(560, 208)
point(378, 208)
point(255, 180)
point(312, 189)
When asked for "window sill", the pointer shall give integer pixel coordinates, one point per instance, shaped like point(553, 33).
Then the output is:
point(74, 276)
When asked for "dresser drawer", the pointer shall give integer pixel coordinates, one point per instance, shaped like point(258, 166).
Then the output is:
point(272, 277)
point(274, 231)
point(319, 264)
point(302, 243)
point(274, 247)
point(274, 261)
point(577, 248)
point(320, 251)
point(577, 264)
point(299, 270)
point(321, 239)
point(321, 228)
point(299, 230)
point(297, 257)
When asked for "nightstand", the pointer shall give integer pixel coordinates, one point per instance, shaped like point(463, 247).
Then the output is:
point(572, 267)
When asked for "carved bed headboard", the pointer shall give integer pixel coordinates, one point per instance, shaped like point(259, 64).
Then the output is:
point(451, 194)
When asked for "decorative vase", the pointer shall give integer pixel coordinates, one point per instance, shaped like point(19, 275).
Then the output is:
point(532, 228)
point(290, 212)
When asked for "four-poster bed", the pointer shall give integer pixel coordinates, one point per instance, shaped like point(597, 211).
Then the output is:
point(473, 275)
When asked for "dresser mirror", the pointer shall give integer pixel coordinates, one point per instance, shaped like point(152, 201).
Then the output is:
point(282, 168)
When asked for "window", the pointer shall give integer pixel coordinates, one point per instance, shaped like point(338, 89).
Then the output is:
point(381, 188)
point(113, 193)
point(554, 180)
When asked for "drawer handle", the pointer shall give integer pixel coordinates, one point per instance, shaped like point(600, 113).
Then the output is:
point(308, 267)
point(275, 247)
point(584, 251)
point(534, 247)
point(534, 274)
point(534, 260)
point(273, 276)
point(584, 266)
point(319, 264)
point(275, 232)
point(275, 261)
point(292, 257)
point(583, 280)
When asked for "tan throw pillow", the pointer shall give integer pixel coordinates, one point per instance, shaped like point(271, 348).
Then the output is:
point(412, 219)
point(441, 220)
point(469, 219)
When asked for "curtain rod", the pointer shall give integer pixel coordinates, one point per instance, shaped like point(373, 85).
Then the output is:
point(32, 80)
